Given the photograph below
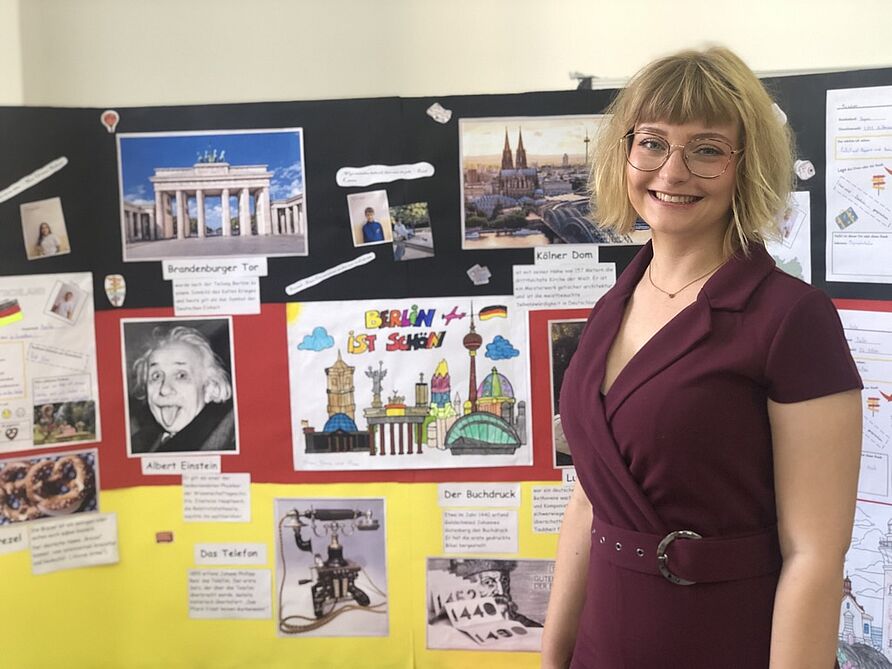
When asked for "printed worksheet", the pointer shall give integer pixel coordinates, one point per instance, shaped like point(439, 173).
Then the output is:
point(869, 334)
point(859, 164)
point(49, 394)
point(867, 586)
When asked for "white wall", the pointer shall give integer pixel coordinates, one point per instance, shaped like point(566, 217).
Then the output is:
point(134, 52)
point(11, 89)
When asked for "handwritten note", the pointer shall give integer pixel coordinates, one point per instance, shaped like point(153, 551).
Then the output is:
point(33, 178)
point(73, 388)
point(310, 281)
point(54, 356)
point(380, 174)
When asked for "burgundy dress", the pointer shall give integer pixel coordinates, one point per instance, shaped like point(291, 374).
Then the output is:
point(682, 442)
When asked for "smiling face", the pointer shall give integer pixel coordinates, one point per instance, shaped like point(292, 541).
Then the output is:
point(674, 201)
point(175, 385)
point(44, 229)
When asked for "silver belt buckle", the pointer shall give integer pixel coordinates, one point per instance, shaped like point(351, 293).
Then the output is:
point(663, 559)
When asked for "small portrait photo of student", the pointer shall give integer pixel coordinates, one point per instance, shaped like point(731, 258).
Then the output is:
point(370, 218)
point(43, 229)
point(412, 233)
point(66, 300)
point(180, 386)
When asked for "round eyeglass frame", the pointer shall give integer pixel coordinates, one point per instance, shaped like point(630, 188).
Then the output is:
point(625, 140)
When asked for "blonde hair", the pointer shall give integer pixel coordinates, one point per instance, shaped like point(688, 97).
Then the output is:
point(713, 86)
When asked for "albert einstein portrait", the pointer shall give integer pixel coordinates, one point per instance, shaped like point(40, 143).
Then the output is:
point(180, 390)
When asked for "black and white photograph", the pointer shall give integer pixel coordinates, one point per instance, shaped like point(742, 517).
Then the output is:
point(214, 193)
point(487, 604)
point(331, 567)
point(180, 386)
point(563, 340)
point(370, 218)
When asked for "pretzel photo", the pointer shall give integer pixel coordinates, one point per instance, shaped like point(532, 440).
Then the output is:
point(42, 487)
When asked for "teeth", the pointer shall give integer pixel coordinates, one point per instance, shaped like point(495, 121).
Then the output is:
point(675, 199)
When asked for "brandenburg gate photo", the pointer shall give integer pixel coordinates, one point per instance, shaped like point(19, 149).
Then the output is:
point(278, 227)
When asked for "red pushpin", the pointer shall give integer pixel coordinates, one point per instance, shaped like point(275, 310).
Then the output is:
point(110, 119)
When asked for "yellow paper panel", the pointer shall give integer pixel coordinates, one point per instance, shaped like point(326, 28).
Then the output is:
point(135, 614)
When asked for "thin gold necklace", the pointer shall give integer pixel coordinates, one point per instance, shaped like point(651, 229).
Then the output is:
point(690, 283)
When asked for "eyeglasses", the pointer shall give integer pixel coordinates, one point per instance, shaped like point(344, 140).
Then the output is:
point(707, 158)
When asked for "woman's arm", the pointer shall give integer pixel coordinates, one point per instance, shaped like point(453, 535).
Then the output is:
point(817, 446)
point(568, 586)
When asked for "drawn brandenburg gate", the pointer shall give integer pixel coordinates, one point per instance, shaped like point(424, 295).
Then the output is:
point(174, 186)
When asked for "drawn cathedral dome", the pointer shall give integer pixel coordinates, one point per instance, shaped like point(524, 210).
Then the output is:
point(495, 386)
point(340, 421)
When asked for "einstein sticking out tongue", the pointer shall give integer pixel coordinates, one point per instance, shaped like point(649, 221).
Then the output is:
point(188, 392)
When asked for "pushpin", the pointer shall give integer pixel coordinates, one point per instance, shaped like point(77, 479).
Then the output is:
point(110, 119)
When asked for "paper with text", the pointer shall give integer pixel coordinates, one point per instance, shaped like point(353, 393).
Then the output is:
point(49, 394)
point(76, 541)
point(859, 169)
point(869, 334)
point(217, 498)
point(561, 286)
point(230, 593)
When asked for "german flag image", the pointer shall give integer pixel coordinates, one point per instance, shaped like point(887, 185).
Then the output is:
point(493, 311)
point(10, 312)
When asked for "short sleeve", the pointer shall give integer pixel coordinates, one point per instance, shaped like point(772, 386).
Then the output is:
point(809, 356)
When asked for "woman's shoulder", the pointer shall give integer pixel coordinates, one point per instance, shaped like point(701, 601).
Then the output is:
point(782, 291)
point(783, 301)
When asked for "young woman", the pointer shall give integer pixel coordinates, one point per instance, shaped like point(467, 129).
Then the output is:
point(47, 242)
point(712, 406)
